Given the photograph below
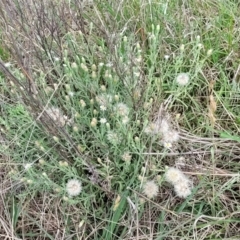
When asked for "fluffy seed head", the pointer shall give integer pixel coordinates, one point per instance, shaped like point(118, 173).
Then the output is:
point(160, 126)
point(182, 79)
point(151, 129)
point(182, 189)
point(150, 189)
point(170, 136)
point(73, 187)
point(56, 115)
point(175, 176)
point(104, 99)
point(122, 109)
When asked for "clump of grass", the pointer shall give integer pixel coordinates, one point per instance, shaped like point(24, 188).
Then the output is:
point(104, 99)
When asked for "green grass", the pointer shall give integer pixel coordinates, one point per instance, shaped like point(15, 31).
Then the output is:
point(126, 53)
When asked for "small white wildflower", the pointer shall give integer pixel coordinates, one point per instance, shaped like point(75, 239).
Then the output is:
point(101, 64)
point(182, 79)
point(73, 187)
point(182, 189)
point(103, 108)
point(167, 145)
point(166, 57)
point(150, 189)
point(121, 109)
point(200, 45)
point(103, 120)
point(27, 166)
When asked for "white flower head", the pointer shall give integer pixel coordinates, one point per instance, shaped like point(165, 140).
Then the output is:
point(122, 109)
point(167, 145)
point(103, 108)
point(182, 189)
point(150, 189)
point(166, 57)
point(182, 79)
point(27, 166)
point(73, 187)
point(103, 120)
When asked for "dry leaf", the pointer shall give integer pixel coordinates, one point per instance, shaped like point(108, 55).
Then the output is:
point(211, 117)
point(211, 85)
point(116, 203)
point(212, 104)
